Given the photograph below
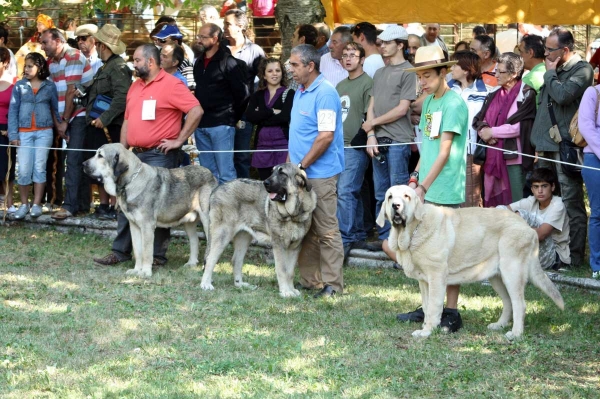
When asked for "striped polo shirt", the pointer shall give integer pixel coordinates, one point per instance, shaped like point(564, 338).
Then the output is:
point(71, 68)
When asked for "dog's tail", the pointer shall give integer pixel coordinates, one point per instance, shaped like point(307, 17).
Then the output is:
point(540, 279)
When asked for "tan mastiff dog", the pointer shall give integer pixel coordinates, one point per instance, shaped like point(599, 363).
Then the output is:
point(442, 246)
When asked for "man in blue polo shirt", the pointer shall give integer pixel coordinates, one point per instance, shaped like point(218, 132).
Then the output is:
point(317, 146)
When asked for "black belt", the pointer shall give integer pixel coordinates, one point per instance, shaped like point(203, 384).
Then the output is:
point(139, 150)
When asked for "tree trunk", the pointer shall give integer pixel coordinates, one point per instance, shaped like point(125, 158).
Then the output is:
point(291, 13)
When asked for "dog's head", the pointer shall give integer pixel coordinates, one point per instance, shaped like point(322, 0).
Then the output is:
point(107, 164)
point(286, 178)
point(400, 207)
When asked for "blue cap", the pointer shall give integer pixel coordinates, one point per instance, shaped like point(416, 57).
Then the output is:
point(169, 31)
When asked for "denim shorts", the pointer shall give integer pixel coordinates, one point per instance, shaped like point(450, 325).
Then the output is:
point(32, 155)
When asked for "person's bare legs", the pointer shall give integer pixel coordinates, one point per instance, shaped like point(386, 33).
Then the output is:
point(386, 248)
point(24, 194)
point(452, 292)
point(38, 193)
point(104, 197)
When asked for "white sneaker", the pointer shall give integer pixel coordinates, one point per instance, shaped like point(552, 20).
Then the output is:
point(12, 209)
point(596, 275)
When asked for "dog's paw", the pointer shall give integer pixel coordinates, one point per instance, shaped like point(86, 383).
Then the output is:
point(421, 333)
point(242, 284)
point(511, 336)
point(207, 286)
point(289, 293)
point(139, 273)
point(495, 326)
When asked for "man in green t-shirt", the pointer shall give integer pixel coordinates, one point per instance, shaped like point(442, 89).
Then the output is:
point(440, 176)
point(354, 92)
point(532, 50)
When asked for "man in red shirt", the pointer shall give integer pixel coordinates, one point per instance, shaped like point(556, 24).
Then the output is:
point(156, 103)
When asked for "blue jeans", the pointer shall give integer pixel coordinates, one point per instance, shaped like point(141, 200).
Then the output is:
point(349, 203)
point(32, 161)
point(241, 160)
point(122, 246)
point(218, 138)
point(76, 198)
point(592, 183)
point(392, 173)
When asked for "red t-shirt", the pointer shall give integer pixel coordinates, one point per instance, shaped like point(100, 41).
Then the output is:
point(173, 99)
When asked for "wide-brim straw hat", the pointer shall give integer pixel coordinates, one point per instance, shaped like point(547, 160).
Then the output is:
point(429, 57)
point(110, 35)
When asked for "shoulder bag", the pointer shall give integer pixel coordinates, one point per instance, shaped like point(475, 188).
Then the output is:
point(569, 152)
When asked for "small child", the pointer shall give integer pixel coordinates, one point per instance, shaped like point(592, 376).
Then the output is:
point(547, 215)
point(32, 114)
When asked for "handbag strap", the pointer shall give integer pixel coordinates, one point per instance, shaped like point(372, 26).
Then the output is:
point(551, 111)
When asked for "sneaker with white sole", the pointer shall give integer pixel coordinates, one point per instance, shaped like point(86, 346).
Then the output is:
point(12, 209)
point(36, 211)
point(596, 275)
point(22, 212)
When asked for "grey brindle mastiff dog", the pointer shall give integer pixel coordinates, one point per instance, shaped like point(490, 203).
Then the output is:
point(281, 208)
point(153, 197)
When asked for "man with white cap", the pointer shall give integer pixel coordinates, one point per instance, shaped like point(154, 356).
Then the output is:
point(440, 176)
point(84, 35)
point(112, 81)
point(388, 119)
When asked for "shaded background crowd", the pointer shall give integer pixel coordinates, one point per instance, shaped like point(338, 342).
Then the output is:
point(521, 87)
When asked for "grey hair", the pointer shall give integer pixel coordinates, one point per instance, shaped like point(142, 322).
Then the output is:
point(308, 53)
point(208, 8)
point(150, 51)
point(241, 19)
point(56, 34)
point(513, 63)
point(344, 31)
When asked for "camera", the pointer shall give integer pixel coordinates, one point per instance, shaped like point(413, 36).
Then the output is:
point(380, 158)
point(79, 95)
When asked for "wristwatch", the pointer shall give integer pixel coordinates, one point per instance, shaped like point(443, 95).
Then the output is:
point(300, 166)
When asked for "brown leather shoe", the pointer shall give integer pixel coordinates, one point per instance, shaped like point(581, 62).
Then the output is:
point(109, 260)
point(157, 262)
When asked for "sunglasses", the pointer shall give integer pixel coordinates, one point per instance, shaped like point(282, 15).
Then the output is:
point(163, 41)
point(80, 38)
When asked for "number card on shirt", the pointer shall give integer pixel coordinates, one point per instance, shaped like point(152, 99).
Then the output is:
point(326, 120)
point(149, 110)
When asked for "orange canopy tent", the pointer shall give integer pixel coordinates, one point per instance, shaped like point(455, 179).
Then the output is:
point(542, 12)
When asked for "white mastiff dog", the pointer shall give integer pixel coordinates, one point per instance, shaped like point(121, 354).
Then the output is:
point(442, 246)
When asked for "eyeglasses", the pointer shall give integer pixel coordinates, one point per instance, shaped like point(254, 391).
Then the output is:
point(163, 41)
point(351, 56)
point(501, 72)
point(80, 38)
point(550, 49)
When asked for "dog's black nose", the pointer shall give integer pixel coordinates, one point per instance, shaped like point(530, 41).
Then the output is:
point(395, 206)
point(267, 183)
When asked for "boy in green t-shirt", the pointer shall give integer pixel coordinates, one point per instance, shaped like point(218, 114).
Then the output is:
point(440, 175)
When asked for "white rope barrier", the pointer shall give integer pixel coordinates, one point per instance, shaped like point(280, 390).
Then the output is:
point(194, 150)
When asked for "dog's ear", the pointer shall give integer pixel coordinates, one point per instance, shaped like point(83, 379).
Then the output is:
point(419, 208)
point(119, 167)
point(303, 181)
point(383, 212)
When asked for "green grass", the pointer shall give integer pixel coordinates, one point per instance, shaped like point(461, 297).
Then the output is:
point(71, 329)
